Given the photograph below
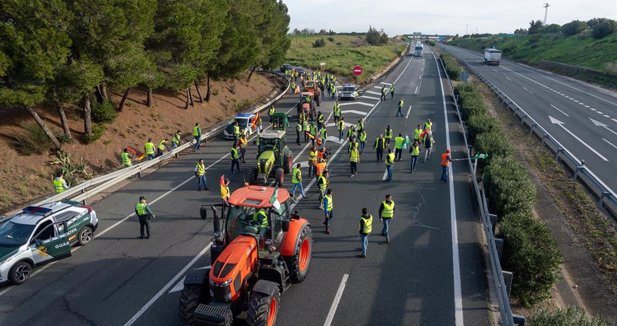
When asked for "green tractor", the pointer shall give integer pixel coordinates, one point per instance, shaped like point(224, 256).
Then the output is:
point(274, 159)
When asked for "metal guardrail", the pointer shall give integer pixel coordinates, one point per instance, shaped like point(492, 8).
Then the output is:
point(607, 198)
point(94, 186)
point(497, 274)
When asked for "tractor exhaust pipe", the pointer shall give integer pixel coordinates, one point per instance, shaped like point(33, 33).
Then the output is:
point(218, 242)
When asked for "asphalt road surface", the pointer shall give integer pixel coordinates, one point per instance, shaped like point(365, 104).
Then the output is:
point(582, 117)
point(430, 274)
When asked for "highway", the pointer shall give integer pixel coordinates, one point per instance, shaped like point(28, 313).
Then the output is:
point(582, 117)
point(432, 272)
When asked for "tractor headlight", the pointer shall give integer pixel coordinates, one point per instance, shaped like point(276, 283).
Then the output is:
point(224, 284)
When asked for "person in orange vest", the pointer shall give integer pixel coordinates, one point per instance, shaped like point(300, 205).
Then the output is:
point(320, 166)
point(445, 162)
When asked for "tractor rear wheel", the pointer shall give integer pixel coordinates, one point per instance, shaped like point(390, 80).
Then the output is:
point(300, 262)
point(263, 309)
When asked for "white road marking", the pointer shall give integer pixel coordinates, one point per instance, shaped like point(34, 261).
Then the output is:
point(614, 120)
point(599, 112)
point(385, 83)
point(508, 78)
point(607, 116)
point(456, 268)
point(167, 286)
point(593, 109)
point(603, 125)
point(420, 77)
point(554, 107)
point(525, 88)
point(354, 112)
point(417, 87)
point(610, 143)
point(385, 175)
point(352, 103)
point(587, 106)
point(377, 86)
point(402, 72)
point(374, 93)
point(561, 124)
point(337, 299)
point(334, 139)
point(332, 124)
point(408, 112)
point(178, 287)
point(370, 97)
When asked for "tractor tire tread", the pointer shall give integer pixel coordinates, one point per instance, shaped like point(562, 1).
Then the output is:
point(293, 262)
point(189, 300)
point(259, 308)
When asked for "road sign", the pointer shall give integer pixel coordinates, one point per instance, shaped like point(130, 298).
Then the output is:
point(480, 156)
point(357, 70)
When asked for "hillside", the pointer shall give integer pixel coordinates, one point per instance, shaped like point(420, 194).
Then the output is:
point(341, 53)
point(580, 50)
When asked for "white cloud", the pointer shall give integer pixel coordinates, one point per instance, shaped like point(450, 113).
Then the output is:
point(440, 16)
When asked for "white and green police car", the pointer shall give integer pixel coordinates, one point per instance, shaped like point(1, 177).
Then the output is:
point(41, 234)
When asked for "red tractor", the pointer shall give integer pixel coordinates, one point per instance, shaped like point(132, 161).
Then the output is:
point(261, 250)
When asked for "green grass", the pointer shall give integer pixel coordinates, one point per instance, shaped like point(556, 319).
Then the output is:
point(580, 50)
point(342, 54)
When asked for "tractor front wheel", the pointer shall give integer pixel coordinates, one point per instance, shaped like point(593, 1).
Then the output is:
point(300, 262)
point(189, 300)
point(263, 309)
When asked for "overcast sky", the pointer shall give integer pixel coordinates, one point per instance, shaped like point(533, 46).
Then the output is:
point(440, 16)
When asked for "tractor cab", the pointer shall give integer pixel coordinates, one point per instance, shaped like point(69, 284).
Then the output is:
point(274, 158)
point(279, 121)
point(307, 105)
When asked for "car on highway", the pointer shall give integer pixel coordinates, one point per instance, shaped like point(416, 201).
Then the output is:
point(348, 92)
point(300, 70)
point(246, 123)
point(41, 234)
point(286, 67)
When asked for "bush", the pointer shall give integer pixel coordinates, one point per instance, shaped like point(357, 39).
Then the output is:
point(509, 187)
point(571, 316)
point(331, 39)
point(494, 143)
point(552, 28)
point(452, 67)
point(97, 132)
point(104, 112)
point(480, 123)
point(574, 27)
point(532, 255)
point(604, 28)
point(319, 43)
point(32, 141)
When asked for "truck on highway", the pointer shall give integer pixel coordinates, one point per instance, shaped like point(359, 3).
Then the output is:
point(492, 56)
point(418, 49)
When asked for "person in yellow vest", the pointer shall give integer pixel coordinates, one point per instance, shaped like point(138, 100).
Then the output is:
point(340, 125)
point(126, 158)
point(401, 102)
point(336, 111)
point(379, 146)
point(200, 173)
point(235, 158)
point(388, 135)
point(197, 135)
point(162, 147)
point(323, 135)
point(428, 124)
point(149, 149)
point(414, 149)
point(60, 185)
point(236, 133)
point(144, 214)
point(328, 206)
point(296, 181)
point(271, 111)
point(399, 142)
point(306, 128)
point(386, 214)
point(389, 165)
point(322, 183)
point(312, 160)
point(260, 220)
point(320, 120)
point(176, 140)
point(313, 133)
point(225, 192)
point(243, 142)
point(416, 133)
point(354, 158)
point(362, 139)
point(366, 227)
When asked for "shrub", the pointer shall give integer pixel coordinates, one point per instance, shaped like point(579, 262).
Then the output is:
point(480, 123)
point(532, 255)
point(104, 112)
point(604, 28)
point(331, 39)
point(552, 28)
point(509, 188)
point(452, 67)
point(97, 132)
point(571, 316)
point(494, 143)
point(319, 43)
point(32, 141)
point(574, 27)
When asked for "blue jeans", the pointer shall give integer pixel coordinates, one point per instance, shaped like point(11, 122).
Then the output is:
point(414, 160)
point(389, 170)
point(364, 243)
point(151, 157)
point(399, 112)
point(197, 142)
point(385, 231)
point(295, 186)
point(362, 144)
point(340, 135)
point(444, 173)
point(202, 182)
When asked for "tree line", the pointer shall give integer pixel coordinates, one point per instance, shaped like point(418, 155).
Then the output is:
point(73, 52)
point(598, 27)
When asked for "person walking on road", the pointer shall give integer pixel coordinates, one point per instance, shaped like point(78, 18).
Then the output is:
point(388, 135)
point(243, 143)
point(312, 160)
point(389, 165)
point(322, 183)
point(401, 102)
point(144, 214)
point(197, 135)
point(341, 128)
point(379, 146)
point(399, 142)
point(149, 150)
point(383, 93)
point(428, 125)
point(354, 158)
point(336, 111)
point(236, 127)
point(392, 91)
point(428, 141)
point(306, 128)
point(126, 158)
point(328, 206)
point(386, 214)
point(60, 185)
point(445, 162)
point(298, 132)
point(235, 158)
point(362, 139)
point(323, 135)
point(366, 227)
point(320, 120)
point(296, 181)
point(415, 152)
point(416, 133)
point(200, 173)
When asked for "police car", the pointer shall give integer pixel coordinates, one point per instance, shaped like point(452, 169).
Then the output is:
point(41, 234)
point(245, 122)
point(348, 92)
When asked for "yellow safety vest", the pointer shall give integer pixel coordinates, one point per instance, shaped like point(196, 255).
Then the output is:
point(388, 210)
point(312, 156)
point(330, 204)
point(388, 133)
point(354, 155)
point(416, 133)
point(236, 130)
point(261, 215)
point(415, 150)
point(398, 142)
point(126, 159)
point(296, 175)
point(337, 110)
point(224, 192)
point(149, 148)
point(341, 125)
point(176, 139)
point(390, 159)
point(201, 169)
point(196, 131)
point(140, 209)
point(162, 145)
point(363, 136)
point(367, 228)
point(59, 185)
point(428, 125)
point(320, 117)
point(322, 182)
point(234, 154)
